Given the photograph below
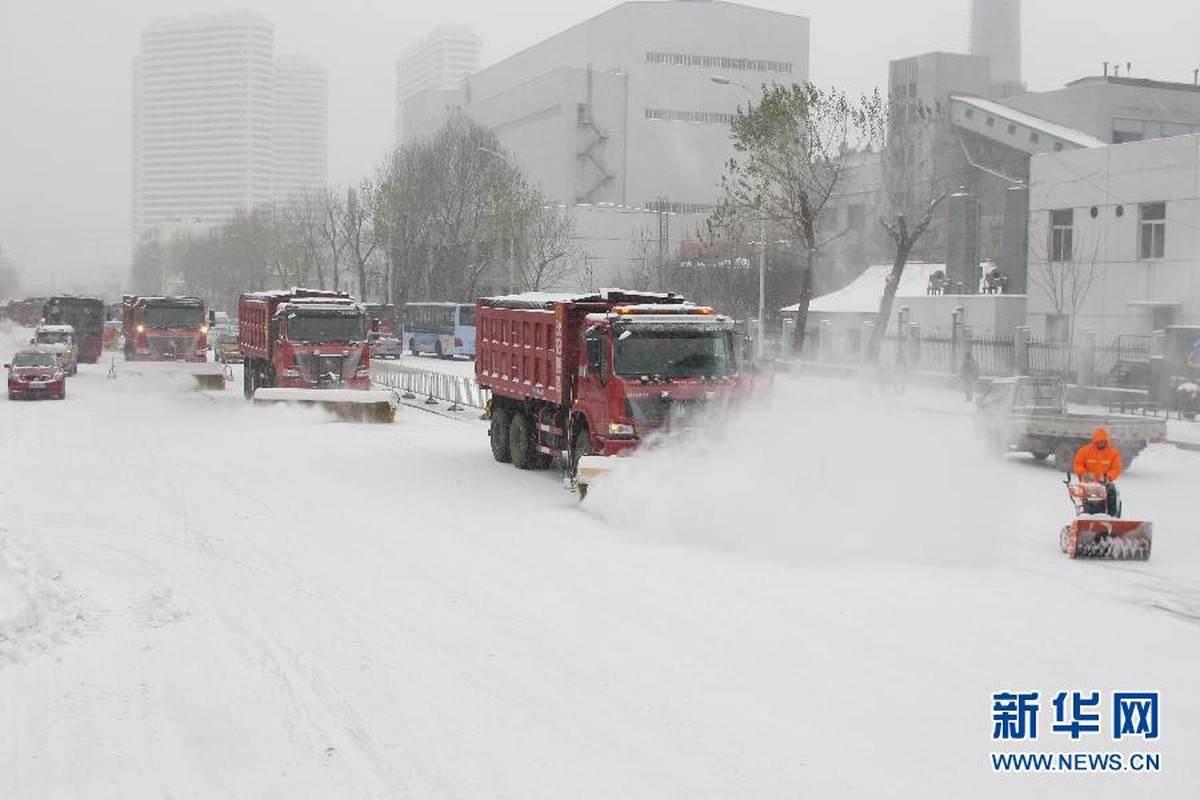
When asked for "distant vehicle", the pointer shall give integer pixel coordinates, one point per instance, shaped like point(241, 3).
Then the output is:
point(112, 334)
point(225, 346)
point(60, 339)
point(382, 317)
point(86, 315)
point(27, 312)
point(303, 339)
point(443, 329)
point(164, 328)
point(36, 374)
point(384, 345)
point(1028, 414)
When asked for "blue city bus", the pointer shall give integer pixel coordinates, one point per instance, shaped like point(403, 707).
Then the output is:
point(444, 329)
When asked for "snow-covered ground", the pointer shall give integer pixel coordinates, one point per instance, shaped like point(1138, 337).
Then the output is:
point(204, 598)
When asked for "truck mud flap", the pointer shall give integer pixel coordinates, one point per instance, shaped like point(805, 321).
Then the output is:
point(1107, 538)
point(351, 405)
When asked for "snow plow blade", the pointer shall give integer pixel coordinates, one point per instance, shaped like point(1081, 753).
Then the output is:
point(591, 468)
point(352, 405)
point(1108, 538)
point(207, 375)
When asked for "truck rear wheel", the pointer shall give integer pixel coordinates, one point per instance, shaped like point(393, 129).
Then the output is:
point(520, 442)
point(498, 433)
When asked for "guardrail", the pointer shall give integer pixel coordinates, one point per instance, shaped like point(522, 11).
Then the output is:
point(458, 390)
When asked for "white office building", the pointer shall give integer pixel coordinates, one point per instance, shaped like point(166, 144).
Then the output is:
point(301, 126)
point(1114, 239)
point(438, 62)
point(620, 112)
point(202, 118)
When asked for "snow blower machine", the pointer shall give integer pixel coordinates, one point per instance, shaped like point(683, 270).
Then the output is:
point(1095, 533)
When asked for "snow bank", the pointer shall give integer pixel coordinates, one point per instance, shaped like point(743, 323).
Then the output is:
point(37, 610)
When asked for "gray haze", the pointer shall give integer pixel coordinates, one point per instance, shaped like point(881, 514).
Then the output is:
point(66, 94)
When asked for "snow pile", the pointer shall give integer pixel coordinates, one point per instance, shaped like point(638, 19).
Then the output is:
point(825, 474)
point(37, 611)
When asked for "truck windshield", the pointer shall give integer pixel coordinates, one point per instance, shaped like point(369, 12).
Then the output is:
point(173, 316)
point(673, 353)
point(311, 327)
point(54, 337)
point(1041, 395)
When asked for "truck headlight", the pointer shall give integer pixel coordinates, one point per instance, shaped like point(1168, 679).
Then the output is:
point(621, 429)
point(291, 373)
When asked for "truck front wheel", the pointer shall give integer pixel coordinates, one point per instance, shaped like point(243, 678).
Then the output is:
point(520, 442)
point(498, 433)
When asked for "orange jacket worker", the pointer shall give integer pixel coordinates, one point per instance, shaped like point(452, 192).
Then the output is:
point(1098, 457)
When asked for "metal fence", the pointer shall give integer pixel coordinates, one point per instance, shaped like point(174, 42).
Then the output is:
point(427, 384)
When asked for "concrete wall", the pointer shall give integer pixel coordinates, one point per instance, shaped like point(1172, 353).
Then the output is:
point(1098, 105)
point(1111, 182)
point(679, 160)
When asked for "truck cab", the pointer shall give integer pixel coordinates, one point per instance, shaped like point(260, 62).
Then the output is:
point(646, 368)
point(61, 340)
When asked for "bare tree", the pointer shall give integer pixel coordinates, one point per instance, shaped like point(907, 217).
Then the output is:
point(359, 230)
point(911, 191)
point(1066, 282)
point(642, 260)
point(791, 151)
point(330, 230)
point(550, 246)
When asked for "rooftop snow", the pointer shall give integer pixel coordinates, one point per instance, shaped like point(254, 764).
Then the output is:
point(863, 294)
point(1071, 135)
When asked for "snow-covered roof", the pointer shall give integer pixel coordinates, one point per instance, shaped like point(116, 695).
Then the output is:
point(862, 295)
point(609, 295)
point(1075, 137)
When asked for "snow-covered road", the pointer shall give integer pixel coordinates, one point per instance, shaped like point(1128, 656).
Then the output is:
point(203, 599)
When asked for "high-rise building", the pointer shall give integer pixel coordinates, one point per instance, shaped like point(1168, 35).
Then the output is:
point(202, 118)
point(301, 126)
point(620, 118)
point(996, 33)
point(439, 61)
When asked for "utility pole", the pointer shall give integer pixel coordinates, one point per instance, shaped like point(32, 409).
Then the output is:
point(760, 340)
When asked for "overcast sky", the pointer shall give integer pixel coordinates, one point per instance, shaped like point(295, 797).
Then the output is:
point(66, 86)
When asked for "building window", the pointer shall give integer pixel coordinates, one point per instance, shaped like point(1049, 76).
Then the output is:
point(970, 113)
point(991, 121)
point(1034, 138)
point(1153, 219)
point(1058, 146)
point(1012, 130)
point(1061, 226)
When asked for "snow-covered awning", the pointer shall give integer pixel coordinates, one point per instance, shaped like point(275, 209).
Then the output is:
point(862, 295)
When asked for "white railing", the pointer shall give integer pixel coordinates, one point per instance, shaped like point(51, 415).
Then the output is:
point(429, 385)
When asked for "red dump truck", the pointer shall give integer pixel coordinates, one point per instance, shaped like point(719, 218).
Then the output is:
point(577, 377)
point(303, 339)
point(86, 316)
point(164, 328)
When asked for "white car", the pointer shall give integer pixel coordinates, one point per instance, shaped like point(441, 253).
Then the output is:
point(61, 340)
